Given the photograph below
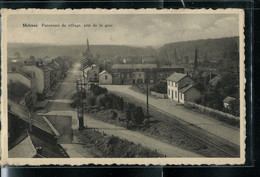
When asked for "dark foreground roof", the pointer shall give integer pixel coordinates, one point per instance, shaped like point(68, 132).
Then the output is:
point(24, 149)
point(17, 91)
point(37, 121)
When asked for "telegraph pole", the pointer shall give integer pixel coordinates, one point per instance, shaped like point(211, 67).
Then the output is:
point(80, 104)
point(83, 71)
point(147, 94)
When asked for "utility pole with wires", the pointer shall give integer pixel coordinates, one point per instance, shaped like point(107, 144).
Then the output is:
point(147, 93)
point(81, 88)
point(83, 70)
point(80, 103)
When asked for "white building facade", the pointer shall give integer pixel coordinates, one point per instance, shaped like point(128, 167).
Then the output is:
point(175, 83)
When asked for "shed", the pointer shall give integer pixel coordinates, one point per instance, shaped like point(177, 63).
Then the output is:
point(189, 93)
point(228, 101)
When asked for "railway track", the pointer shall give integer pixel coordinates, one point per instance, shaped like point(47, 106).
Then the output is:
point(192, 132)
point(219, 146)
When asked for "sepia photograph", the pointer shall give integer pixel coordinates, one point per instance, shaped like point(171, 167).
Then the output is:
point(123, 87)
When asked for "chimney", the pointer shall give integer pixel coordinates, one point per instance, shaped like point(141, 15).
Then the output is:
point(38, 150)
point(195, 61)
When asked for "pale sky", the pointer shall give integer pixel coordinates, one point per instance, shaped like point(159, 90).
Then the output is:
point(137, 30)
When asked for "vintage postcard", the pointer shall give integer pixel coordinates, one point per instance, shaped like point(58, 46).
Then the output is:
point(96, 86)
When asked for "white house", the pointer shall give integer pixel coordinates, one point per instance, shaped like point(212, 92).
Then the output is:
point(175, 83)
point(189, 93)
point(42, 78)
point(105, 78)
point(228, 101)
point(91, 73)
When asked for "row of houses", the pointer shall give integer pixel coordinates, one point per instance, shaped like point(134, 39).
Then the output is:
point(37, 79)
point(31, 135)
point(128, 74)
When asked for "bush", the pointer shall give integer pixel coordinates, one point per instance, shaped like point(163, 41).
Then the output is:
point(137, 115)
point(134, 113)
point(111, 101)
point(160, 88)
point(97, 90)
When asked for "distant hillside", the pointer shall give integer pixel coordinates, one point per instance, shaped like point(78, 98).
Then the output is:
point(103, 51)
point(208, 48)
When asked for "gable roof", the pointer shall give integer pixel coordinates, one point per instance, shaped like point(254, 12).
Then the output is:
point(26, 75)
point(148, 59)
point(87, 63)
point(44, 68)
point(17, 91)
point(104, 72)
point(36, 120)
point(185, 89)
point(229, 99)
point(176, 77)
point(215, 80)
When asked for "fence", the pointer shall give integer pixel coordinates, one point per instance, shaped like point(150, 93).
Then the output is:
point(212, 111)
point(159, 95)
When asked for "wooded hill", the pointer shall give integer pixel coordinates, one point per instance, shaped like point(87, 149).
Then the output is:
point(211, 49)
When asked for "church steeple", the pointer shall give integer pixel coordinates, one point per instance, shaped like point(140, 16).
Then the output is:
point(87, 54)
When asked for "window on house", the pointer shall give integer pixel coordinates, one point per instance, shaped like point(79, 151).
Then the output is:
point(139, 75)
point(96, 74)
point(105, 76)
point(176, 94)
